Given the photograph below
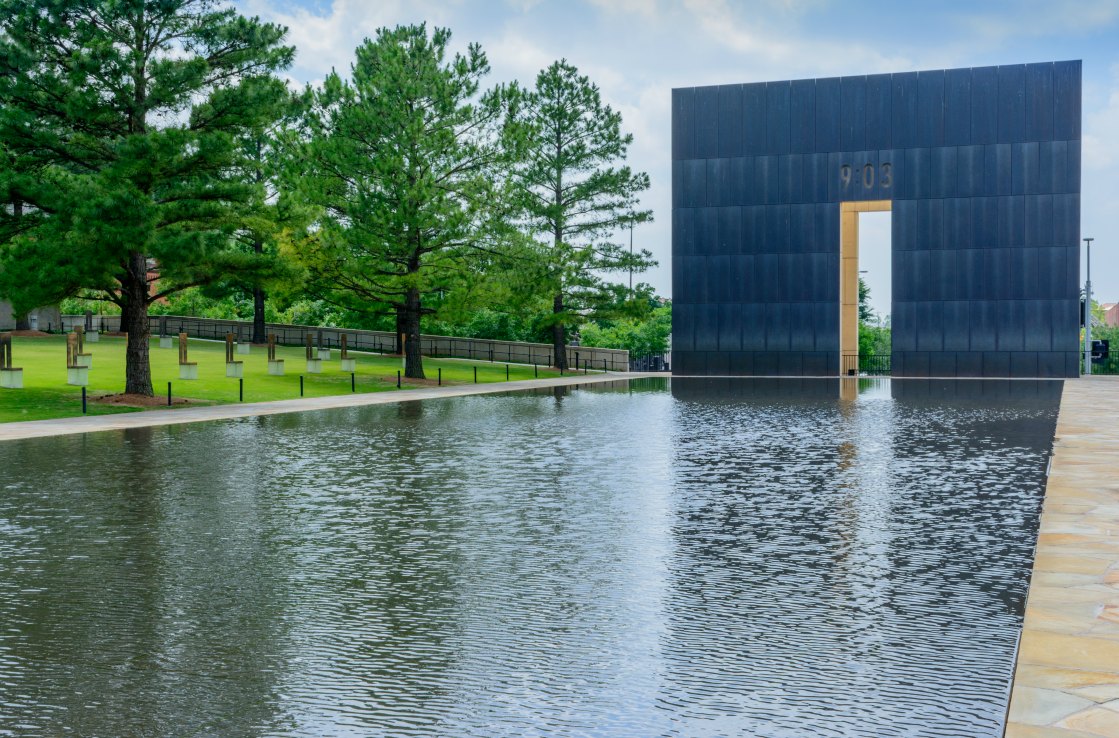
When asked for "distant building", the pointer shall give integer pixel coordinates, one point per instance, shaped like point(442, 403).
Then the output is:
point(1110, 313)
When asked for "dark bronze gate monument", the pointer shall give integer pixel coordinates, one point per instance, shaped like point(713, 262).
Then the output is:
point(981, 171)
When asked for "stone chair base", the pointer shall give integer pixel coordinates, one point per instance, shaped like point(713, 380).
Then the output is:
point(276, 368)
point(188, 370)
point(92, 337)
point(244, 348)
point(235, 369)
point(314, 366)
point(11, 378)
point(165, 342)
point(85, 360)
point(77, 376)
point(349, 365)
point(324, 354)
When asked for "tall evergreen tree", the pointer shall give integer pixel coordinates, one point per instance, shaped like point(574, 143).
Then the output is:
point(405, 160)
point(576, 196)
point(129, 110)
point(273, 213)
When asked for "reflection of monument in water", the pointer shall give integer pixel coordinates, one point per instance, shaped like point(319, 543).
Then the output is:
point(980, 169)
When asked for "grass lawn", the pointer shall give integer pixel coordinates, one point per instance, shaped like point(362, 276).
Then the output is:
point(46, 394)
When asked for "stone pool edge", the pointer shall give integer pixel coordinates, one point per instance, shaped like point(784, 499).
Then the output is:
point(20, 430)
point(1066, 679)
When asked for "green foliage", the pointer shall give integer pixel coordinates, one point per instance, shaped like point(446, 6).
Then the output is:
point(492, 324)
point(866, 312)
point(121, 122)
point(873, 339)
point(638, 336)
point(575, 197)
point(404, 163)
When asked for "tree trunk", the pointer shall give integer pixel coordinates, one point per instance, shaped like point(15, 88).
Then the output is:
point(134, 288)
point(124, 316)
point(559, 334)
point(413, 359)
point(258, 299)
point(23, 322)
point(258, 316)
point(401, 328)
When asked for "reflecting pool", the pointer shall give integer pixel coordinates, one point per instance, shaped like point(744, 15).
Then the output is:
point(648, 558)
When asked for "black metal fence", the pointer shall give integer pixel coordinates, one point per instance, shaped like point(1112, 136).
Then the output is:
point(1109, 365)
point(379, 342)
point(872, 365)
point(650, 363)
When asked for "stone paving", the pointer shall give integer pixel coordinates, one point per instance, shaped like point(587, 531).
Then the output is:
point(93, 423)
point(1066, 684)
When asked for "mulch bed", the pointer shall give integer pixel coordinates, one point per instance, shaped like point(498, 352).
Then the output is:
point(127, 400)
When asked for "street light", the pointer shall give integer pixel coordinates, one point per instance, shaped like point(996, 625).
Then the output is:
point(1088, 312)
point(631, 259)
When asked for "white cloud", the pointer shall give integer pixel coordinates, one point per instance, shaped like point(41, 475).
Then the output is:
point(1100, 145)
point(1034, 18)
point(638, 50)
point(327, 41)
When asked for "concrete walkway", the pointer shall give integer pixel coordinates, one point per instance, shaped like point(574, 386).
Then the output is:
point(1066, 684)
point(94, 423)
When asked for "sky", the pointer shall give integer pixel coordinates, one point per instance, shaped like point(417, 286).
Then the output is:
point(637, 51)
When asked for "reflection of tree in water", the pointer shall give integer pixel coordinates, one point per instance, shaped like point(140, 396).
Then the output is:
point(825, 553)
point(152, 611)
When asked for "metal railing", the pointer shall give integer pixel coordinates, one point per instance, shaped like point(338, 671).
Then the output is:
point(650, 363)
point(380, 342)
point(1110, 365)
point(873, 365)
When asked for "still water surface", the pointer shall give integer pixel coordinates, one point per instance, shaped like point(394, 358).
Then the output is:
point(710, 558)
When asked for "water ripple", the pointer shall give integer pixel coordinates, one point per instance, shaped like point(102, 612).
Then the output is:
point(718, 559)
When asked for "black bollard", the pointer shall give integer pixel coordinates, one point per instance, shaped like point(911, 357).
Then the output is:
point(300, 385)
point(353, 382)
point(585, 369)
point(398, 379)
point(535, 371)
point(475, 375)
point(240, 390)
point(506, 372)
point(83, 401)
point(604, 366)
point(168, 394)
point(440, 376)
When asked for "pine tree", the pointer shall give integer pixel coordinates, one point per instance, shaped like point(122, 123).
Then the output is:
point(405, 161)
point(576, 197)
point(128, 112)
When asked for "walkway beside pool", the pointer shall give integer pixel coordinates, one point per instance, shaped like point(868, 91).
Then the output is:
point(123, 421)
point(1066, 684)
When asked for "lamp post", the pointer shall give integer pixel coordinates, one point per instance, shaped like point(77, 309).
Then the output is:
point(631, 259)
point(1088, 312)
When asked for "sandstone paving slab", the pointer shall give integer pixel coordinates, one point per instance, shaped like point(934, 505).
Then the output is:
point(1066, 681)
point(148, 418)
